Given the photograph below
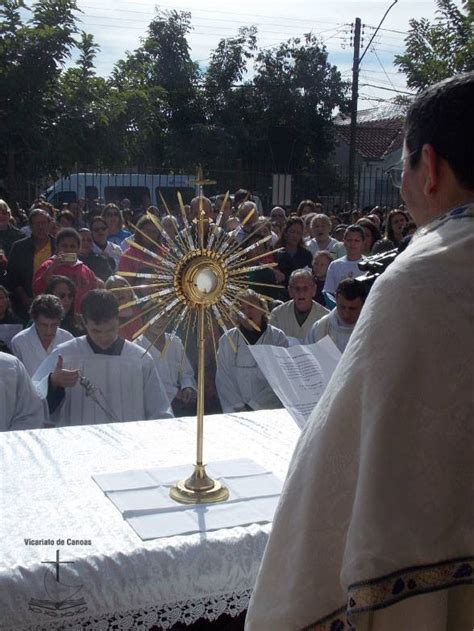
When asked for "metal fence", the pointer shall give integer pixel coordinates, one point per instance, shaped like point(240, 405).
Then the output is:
point(142, 186)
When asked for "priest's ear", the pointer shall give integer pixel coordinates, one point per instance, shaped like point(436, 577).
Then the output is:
point(431, 165)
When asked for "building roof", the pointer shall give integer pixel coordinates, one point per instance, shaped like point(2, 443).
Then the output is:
point(379, 130)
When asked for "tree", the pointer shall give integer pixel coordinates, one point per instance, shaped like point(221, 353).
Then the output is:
point(83, 111)
point(163, 63)
point(296, 91)
point(436, 51)
point(280, 120)
point(227, 66)
point(225, 98)
point(32, 54)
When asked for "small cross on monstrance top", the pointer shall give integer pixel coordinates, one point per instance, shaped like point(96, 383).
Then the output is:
point(200, 181)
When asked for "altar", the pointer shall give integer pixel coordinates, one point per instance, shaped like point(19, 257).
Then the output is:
point(53, 515)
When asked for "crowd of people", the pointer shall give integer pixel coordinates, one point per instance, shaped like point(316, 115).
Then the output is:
point(56, 263)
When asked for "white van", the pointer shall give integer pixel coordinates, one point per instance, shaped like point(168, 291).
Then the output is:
point(140, 188)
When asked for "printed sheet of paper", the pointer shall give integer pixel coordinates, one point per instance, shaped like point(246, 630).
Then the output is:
point(299, 374)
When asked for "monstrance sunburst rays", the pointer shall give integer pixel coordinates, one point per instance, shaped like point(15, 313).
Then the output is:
point(195, 278)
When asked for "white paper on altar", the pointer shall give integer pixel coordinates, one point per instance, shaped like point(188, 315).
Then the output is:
point(205, 518)
point(298, 374)
point(168, 476)
point(142, 497)
point(136, 502)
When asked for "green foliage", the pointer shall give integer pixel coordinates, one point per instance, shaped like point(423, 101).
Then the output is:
point(162, 72)
point(436, 51)
point(227, 66)
point(295, 94)
point(31, 56)
point(157, 107)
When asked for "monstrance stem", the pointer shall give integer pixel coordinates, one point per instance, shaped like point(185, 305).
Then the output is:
point(200, 384)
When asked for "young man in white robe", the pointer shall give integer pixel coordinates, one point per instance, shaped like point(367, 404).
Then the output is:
point(240, 383)
point(340, 322)
point(296, 317)
point(375, 526)
point(20, 405)
point(173, 366)
point(122, 381)
point(33, 345)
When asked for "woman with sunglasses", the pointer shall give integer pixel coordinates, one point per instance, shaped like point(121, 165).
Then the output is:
point(114, 219)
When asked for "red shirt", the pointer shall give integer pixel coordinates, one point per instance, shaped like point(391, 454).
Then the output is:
point(82, 276)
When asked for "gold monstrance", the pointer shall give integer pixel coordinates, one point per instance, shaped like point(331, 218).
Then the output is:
point(198, 276)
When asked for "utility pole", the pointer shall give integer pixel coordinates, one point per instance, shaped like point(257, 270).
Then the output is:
point(355, 96)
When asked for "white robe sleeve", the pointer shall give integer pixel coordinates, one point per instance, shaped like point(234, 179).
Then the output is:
point(21, 407)
point(40, 378)
point(265, 398)
point(319, 330)
point(156, 401)
point(226, 381)
point(331, 279)
point(274, 319)
point(185, 371)
point(16, 348)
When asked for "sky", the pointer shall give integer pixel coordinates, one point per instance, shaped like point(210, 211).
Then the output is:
point(118, 25)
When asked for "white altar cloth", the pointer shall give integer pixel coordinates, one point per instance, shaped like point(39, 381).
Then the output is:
point(47, 493)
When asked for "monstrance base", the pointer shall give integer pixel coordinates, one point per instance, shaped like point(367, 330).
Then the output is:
point(199, 488)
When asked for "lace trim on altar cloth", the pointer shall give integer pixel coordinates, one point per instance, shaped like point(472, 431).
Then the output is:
point(388, 590)
point(161, 616)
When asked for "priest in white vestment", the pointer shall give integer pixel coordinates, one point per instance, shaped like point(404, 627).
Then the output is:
point(340, 322)
point(375, 527)
point(296, 317)
point(240, 383)
point(20, 405)
point(123, 383)
point(33, 345)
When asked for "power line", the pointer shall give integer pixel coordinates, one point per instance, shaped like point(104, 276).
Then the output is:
point(380, 87)
point(211, 26)
point(214, 19)
point(381, 65)
point(384, 83)
point(369, 70)
point(377, 29)
point(221, 12)
point(387, 30)
point(209, 29)
point(192, 33)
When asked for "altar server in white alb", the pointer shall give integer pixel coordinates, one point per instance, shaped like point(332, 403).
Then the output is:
point(374, 530)
point(20, 405)
point(173, 366)
point(33, 345)
point(239, 381)
point(122, 381)
point(340, 322)
point(296, 317)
